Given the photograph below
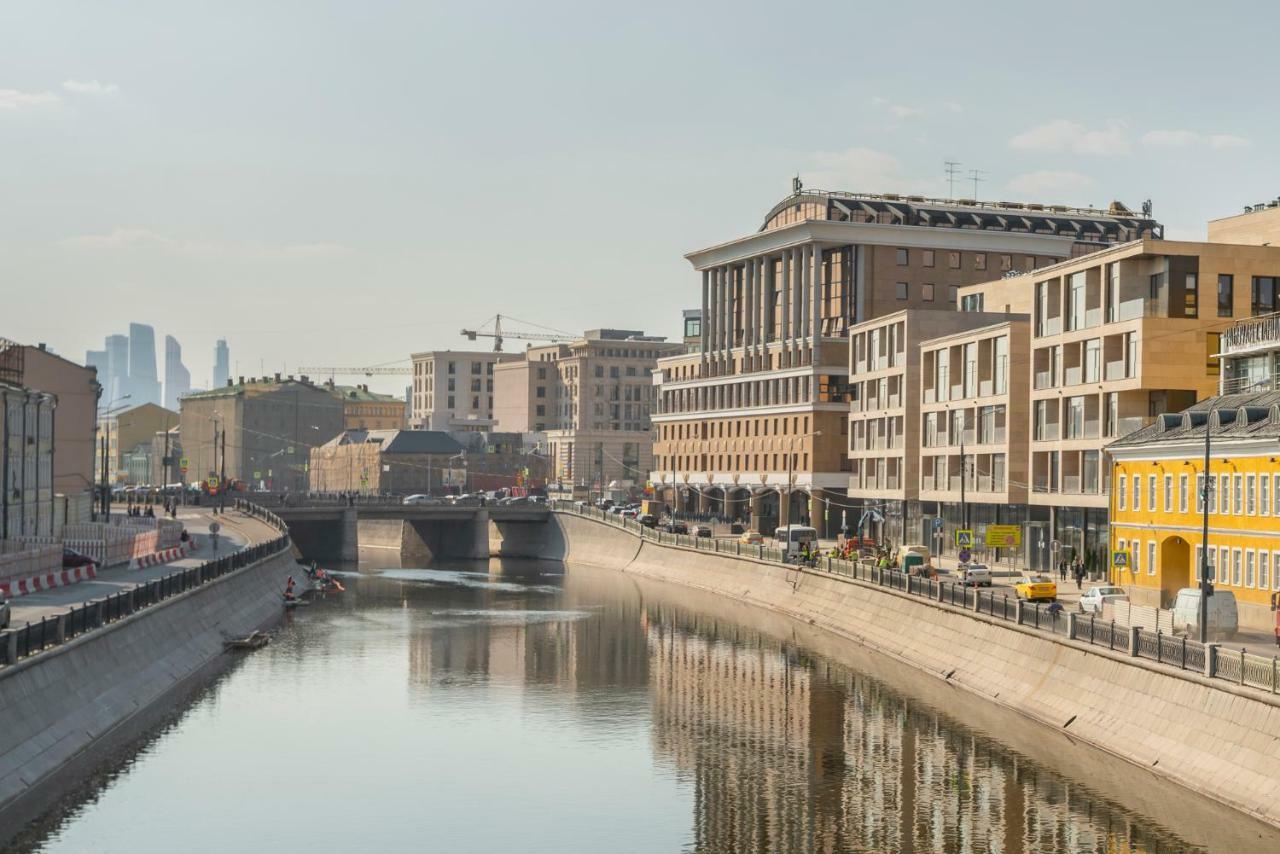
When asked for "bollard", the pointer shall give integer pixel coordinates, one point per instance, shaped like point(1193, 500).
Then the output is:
point(1135, 638)
point(60, 629)
point(1211, 659)
point(942, 596)
point(1071, 624)
point(9, 644)
point(1017, 611)
point(97, 614)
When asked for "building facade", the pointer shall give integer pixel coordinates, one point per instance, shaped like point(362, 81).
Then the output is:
point(453, 390)
point(144, 382)
point(128, 435)
point(368, 410)
point(385, 462)
point(1117, 337)
point(27, 441)
point(177, 379)
point(271, 423)
point(221, 364)
point(754, 423)
point(594, 400)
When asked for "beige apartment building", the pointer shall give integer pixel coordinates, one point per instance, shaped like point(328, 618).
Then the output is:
point(1116, 338)
point(921, 381)
point(593, 398)
point(124, 432)
point(760, 411)
point(453, 390)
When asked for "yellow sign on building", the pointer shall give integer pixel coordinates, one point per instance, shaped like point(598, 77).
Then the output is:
point(1004, 536)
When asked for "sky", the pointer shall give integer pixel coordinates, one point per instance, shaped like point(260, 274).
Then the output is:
point(346, 183)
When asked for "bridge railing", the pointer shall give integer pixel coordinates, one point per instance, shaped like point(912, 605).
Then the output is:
point(1165, 649)
point(32, 638)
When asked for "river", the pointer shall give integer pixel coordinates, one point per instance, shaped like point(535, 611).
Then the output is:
point(538, 710)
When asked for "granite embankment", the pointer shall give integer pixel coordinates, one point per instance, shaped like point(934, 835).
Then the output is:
point(1212, 738)
point(69, 708)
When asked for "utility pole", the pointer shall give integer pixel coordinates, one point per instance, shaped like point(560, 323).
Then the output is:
point(222, 476)
point(105, 500)
point(1206, 584)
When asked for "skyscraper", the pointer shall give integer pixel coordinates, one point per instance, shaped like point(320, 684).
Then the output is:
point(97, 359)
point(177, 379)
point(143, 381)
point(221, 363)
point(115, 380)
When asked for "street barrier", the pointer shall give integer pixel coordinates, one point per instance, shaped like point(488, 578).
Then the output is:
point(32, 638)
point(1164, 648)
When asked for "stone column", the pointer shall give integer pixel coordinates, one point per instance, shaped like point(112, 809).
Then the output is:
point(767, 290)
point(784, 508)
point(815, 325)
point(704, 501)
point(784, 333)
point(756, 502)
point(806, 285)
point(748, 317)
point(706, 314)
point(817, 512)
point(350, 535)
point(797, 288)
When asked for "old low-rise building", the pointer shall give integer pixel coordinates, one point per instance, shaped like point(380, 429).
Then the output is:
point(386, 462)
point(368, 410)
point(128, 434)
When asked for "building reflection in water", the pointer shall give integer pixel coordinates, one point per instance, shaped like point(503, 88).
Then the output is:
point(790, 753)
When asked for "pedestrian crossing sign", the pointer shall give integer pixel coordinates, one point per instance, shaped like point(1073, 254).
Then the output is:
point(1120, 559)
point(964, 539)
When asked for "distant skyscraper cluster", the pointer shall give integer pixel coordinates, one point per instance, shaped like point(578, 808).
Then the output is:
point(127, 366)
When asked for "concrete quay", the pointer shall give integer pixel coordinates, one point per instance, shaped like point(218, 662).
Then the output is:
point(1209, 737)
point(68, 708)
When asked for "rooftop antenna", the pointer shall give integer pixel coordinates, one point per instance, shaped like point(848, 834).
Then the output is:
point(952, 169)
point(975, 175)
point(796, 184)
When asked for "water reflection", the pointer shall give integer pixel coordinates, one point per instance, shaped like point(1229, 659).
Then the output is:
point(588, 711)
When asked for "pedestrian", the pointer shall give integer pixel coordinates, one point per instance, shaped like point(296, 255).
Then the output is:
point(1062, 570)
point(1079, 574)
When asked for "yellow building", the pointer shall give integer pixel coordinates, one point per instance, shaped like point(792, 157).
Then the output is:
point(368, 410)
point(1158, 513)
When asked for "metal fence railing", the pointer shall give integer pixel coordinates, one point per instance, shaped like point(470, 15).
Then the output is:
point(19, 643)
point(1171, 650)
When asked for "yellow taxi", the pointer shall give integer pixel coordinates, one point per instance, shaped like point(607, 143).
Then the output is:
point(751, 538)
point(1034, 588)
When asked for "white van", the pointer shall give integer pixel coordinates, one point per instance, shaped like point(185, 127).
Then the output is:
point(792, 537)
point(1224, 618)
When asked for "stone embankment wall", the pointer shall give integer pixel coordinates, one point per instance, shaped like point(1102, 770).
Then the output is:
point(1209, 737)
point(69, 708)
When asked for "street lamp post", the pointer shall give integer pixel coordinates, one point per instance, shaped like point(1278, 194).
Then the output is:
point(105, 413)
point(791, 478)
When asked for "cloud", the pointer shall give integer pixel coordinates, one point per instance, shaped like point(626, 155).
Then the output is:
point(1048, 181)
point(861, 170)
point(1170, 138)
point(904, 112)
point(13, 99)
point(1223, 141)
point(1066, 135)
point(121, 239)
point(90, 87)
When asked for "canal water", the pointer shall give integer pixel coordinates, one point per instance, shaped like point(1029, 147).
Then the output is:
point(541, 710)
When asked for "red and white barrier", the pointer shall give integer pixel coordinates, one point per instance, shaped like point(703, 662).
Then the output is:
point(46, 581)
point(159, 557)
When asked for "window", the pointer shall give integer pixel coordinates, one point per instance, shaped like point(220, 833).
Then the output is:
point(1200, 493)
point(953, 260)
point(971, 302)
point(1120, 494)
point(1224, 493)
point(926, 293)
point(1224, 565)
point(1266, 295)
point(1250, 501)
point(1151, 493)
point(926, 257)
point(952, 292)
point(1195, 567)
point(1264, 495)
point(1212, 346)
point(1191, 296)
point(980, 261)
point(1006, 263)
point(1151, 557)
point(1182, 494)
point(1226, 295)
point(1249, 558)
point(901, 290)
point(1092, 359)
point(1275, 570)
point(1210, 565)
point(1236, 563)
point(903, 257)
point(1237, 503)
point(1137, 493)
point(1264, 570)
point(1168, 493)
point(1136, 557)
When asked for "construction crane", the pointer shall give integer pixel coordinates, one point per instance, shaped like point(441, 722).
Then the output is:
point(552, 335)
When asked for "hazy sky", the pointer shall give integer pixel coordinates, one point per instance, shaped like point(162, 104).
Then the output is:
point(349, 182)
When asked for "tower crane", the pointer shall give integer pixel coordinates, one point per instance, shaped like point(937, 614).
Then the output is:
point(371, 371)
point(552, 335)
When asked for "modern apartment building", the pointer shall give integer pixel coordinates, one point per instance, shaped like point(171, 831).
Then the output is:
point(271, 423)
point(453, 390)
point(593, 398)
point(931, 399)
point(1118, 337)
point(760, 410)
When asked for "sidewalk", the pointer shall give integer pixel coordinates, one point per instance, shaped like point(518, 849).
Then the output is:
point(238, 531)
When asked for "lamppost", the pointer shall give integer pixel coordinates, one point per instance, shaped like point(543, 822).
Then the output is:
point(104, 414)
point(791, 477)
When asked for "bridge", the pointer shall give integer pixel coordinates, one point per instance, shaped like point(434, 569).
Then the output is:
point(325, 527)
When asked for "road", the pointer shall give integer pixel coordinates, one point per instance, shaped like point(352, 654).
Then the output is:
point(238, 530)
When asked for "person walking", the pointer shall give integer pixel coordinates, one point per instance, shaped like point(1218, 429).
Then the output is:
point(1079, 574)
point(1062, 570)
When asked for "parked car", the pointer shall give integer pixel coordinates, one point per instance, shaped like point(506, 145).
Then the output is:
point(1035, 588)
point(537, 499)
point(629, 513)
point(751, 538)
point(418, 499)
point(1092, 600)
point(648, 520)
point(72, 559)
point(676, 527)
point(1224, 616)
point(703, 531)
point(4, 614)
point(977, 575)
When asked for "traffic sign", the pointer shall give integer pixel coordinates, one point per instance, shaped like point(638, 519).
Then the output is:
point(182, 461)
point(213, 482)
point(937, 523)
point(1004, 536)
point(1120, 559)
point(964, 538)
point(257, 475)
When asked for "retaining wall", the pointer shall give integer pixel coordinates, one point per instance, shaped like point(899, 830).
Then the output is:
point(1211, 738)
point(67, 709)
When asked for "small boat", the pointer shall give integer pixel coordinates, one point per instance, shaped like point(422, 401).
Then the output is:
point(256, 640)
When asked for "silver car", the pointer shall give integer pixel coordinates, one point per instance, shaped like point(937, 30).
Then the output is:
point(1092, 600)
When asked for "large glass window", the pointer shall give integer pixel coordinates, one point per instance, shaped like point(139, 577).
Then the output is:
point(1266, 295)
point(1001, 372)
point(1092, 359)
point(1076, 301)
point(1226, 295)
point(1191, 296)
